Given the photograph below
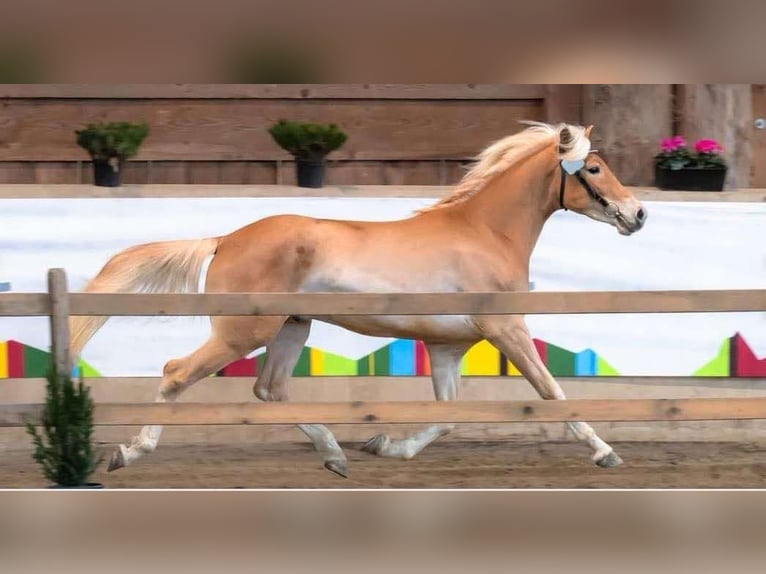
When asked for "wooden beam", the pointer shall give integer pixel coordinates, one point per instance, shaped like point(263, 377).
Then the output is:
point(59, 321)
point(723, 112)
point(494, 303)
point(730, 196)
point(751, 383)
point(332, 304)
point(74, 191)
point(409, 412)
point(65, 191)
point(758, 137)
point(276, 91)
point(25, 305)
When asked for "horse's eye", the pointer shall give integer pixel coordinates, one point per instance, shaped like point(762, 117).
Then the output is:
point(594, 170)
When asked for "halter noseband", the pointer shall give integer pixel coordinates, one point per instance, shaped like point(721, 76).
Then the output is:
point(575, 168)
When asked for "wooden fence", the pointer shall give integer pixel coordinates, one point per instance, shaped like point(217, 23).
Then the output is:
point(217, 133)
point(59, 305)
point(399, 134)
point(433, 192)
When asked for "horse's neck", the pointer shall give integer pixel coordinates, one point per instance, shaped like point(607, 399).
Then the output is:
point(516, 204)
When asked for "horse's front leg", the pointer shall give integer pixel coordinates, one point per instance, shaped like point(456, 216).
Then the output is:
point(511, 336)
point(445, 374)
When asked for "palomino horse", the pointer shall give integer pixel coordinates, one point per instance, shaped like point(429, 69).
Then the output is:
point(478, 238)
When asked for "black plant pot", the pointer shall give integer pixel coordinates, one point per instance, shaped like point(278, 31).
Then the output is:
point(690, 179)
point(105, 175)
point(310, 172)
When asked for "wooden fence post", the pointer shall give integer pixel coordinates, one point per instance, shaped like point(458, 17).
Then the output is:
point(59, 294)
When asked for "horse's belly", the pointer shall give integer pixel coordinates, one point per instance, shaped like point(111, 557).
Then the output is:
point(360, 278)
point(426, 327)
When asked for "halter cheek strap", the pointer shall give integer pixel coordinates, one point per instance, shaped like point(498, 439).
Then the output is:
point(575, 168)
point(562, 188)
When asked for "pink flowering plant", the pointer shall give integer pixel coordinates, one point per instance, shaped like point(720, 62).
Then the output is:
point(674, 154)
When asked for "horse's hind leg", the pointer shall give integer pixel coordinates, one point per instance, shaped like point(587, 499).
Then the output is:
point(225, 345)
point(510, 336)
point(445, 374)
point(283, 353)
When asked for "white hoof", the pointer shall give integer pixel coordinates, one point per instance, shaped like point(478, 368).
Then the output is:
point(339, 467)
point(118, 459)
point(377, 444)
point(609, 461)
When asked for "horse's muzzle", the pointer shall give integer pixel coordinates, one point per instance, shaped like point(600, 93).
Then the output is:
point(639, 218)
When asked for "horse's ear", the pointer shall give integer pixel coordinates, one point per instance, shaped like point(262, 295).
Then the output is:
point(587, 131)
point(565, 137)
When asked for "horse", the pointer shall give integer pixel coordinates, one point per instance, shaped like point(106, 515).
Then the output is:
point(479, 237)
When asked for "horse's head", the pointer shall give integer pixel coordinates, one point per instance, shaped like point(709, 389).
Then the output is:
point(588, 186)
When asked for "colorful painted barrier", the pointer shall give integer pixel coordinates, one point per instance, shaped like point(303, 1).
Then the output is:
point(735, 359)
point(410, 358)
point(405, 358)
point(18, 360)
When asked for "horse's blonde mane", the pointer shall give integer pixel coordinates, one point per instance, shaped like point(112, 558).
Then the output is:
point(503, 154)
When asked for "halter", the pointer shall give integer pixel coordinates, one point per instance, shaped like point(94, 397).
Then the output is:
point(575, 168)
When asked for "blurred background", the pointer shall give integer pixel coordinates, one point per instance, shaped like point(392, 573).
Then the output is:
point(418, 88)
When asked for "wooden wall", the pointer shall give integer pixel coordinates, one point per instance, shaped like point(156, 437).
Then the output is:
point(630, 120)
point(398, 134)
point(723, 112)
point(405, 134)
point(758, 150)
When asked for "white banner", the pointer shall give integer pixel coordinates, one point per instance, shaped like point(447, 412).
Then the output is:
point(683, 246)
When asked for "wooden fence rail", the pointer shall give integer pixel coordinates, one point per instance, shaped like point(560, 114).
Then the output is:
point(218, 191)
point(59, 305)
point(325, 304)
point(359, 412)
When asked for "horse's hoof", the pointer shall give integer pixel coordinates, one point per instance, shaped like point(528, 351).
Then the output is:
point(117, 460)
point(339, 467)
point(609, 461)
point(376, 444)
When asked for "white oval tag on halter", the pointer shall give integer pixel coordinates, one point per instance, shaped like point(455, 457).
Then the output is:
point(572, 166)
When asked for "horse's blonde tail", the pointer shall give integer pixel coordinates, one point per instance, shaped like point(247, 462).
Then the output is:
point(162, 267)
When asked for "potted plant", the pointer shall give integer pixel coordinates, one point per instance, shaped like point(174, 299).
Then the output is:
point(309, 144)
point(64, 450)
point(677, 167)
point(109, 145)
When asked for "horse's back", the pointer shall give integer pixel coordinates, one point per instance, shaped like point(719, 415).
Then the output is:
point(277, 253)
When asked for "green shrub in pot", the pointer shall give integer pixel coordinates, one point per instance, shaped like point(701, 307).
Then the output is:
point(109, 146)
point(309, 143)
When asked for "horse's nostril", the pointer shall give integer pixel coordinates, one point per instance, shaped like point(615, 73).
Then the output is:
point(640, 215)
